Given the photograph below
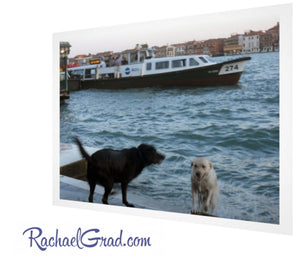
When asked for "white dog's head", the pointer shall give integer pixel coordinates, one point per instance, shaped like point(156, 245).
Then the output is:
point(200, 168)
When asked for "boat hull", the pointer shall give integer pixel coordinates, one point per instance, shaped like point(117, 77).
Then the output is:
point(213, 75)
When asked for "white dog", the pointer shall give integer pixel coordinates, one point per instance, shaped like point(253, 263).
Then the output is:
point(204, 183)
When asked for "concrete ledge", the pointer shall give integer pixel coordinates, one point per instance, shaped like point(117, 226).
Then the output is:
point(71, 162)
point(75, 170)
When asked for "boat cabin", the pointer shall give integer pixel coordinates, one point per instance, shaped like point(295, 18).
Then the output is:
point(139, 63)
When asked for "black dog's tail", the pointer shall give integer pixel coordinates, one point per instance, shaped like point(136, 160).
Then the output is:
point(82, 151)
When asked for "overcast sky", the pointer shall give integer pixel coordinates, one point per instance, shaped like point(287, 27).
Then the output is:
point(121, 37)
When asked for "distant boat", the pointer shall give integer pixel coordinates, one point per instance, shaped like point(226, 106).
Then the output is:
point(148, 71)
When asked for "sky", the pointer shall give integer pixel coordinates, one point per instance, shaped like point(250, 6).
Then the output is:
point(200, 27)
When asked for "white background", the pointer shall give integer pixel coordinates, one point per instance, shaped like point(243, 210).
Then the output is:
point(27, 117)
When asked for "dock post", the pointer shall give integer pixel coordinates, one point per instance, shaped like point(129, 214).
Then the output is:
point(64, 52)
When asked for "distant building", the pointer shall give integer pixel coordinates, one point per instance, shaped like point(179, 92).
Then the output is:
point(170, 51)
point(233, 45)
point(212, 47)
point(274, 31)
point(266, 42)
point(160, 51)
point(251, 43)
point(80, 60)
point(179, 49)
point(192, 47)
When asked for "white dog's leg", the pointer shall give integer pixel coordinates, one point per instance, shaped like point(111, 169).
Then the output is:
point(208, 201)
point(194, 199)
point(213, 203)
point(199, 201)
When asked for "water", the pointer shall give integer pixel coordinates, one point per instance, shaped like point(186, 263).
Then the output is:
point(236, 127)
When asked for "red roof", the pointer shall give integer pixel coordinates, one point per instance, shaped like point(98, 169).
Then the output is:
point(80, 56)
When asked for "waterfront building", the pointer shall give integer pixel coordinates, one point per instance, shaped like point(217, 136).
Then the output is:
point(233, 45)
point(274, 31)
point(212, 47)
point(180, 49)
point(192, 47)
point(251, 42)
point(81, 60)
point(160, 51)
point(265, 42)
point(170, 51)
point(165, 51)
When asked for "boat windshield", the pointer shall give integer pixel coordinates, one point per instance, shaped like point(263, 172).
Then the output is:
point(178, 63)
point(203, 59)
point(193, 62)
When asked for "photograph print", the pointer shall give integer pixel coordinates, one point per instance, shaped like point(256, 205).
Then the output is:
point(180, 115)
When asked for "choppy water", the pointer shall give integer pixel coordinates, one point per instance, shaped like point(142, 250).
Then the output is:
point(236, 127)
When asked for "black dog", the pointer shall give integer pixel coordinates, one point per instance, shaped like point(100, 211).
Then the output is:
point(107, 166)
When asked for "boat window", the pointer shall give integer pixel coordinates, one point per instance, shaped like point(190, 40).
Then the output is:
point(77, 74)
point(133, 57)
point(162, 65)
point(149, 66)
point(142, 56)
point(178, 63)
point(89, 73)
point(193, 62)
point(203, 59)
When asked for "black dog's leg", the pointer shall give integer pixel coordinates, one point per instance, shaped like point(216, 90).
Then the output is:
point(124, 195)
point(92, 189)
point(106, 194)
